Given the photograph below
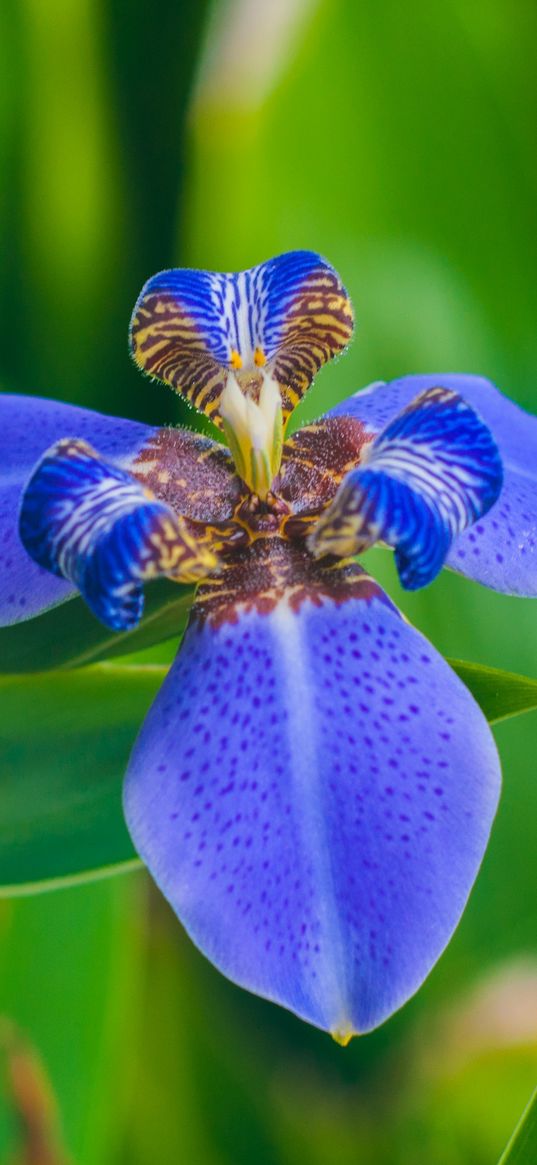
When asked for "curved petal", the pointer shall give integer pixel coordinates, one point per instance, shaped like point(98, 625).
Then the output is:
point(313, 790)
point(431, 473)
point(89, 521)
point(287, 316)
point(29, 425)
point(501, 550)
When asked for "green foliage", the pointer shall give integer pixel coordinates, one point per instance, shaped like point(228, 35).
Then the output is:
point(500, 694)
point(69, 635)
point(397, 140)
point(71, 967)
point(66, 742)
point(522, 1148)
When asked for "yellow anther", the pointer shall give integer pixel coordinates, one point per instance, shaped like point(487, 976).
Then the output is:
point(235, 359)
point(259, 357)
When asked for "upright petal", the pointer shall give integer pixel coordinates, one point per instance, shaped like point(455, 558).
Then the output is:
point(29, 425)
point(432, 472)
point(286, 317)
point(313, 789)
point(500, 551)
point(87, 520)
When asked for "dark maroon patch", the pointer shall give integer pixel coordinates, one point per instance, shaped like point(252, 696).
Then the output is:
point(193, 474)
point(196, 477)
point(316, 459)
point(259, 576)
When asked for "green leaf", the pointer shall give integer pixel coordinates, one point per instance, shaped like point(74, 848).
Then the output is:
point(71, 973)
point(499, 693)
point(522, 1148)
point(66, 739)
point(69, 635)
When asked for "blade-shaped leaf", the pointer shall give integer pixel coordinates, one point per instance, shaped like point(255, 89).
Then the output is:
point(66, 740)
point(499, 693)
point(69, 635)
point(522, 1148)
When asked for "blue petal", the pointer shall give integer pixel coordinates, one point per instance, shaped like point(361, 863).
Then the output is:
point(501, 550)
point(29, 426)
point(433, 471)
point(313, 791)
point(87, 520)
point(290, 314)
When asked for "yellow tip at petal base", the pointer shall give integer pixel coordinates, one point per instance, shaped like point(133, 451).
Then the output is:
point(343, 1036)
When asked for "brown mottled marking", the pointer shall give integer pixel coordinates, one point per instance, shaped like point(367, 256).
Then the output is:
point(316, 459)
point(195, 476)
point(200, 481)
point(260, 545)
point(272, 570)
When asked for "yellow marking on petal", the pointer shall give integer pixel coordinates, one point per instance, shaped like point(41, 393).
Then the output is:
point(339, 531)
point(212, 408)
point(150, 353)
point(144, 468)
point(235, 359)
point(294, 397)
point(202, 398)
point(259, 358)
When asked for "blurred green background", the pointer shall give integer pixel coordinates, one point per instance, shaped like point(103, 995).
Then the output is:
point(399, 140)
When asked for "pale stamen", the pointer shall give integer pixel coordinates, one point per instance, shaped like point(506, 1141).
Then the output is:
point(254, 430)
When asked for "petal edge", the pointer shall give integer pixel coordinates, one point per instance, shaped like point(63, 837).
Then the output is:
point(304, 813)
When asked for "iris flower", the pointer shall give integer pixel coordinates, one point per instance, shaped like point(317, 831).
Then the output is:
point(313, 788)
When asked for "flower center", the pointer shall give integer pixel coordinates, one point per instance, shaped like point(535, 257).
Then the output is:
point(252, 418)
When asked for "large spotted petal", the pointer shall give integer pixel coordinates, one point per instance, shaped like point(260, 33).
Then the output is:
point(501, 549)
point(29, 426)
point(313, 791)
point(287, 316)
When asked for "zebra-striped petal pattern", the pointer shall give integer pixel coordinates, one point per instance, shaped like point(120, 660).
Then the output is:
point(500, 550)
point(29, 426)
point(93, 523)
point(432, 472)
point(286, 317)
